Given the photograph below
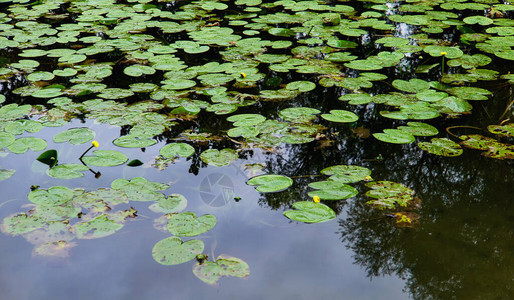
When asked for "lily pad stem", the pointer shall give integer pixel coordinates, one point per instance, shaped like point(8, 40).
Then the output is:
point(462, 126)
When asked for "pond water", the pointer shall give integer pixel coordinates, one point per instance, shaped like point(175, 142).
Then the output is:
point(260, 150)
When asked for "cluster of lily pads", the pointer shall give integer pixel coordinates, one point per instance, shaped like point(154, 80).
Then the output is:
point(59, 215)
point(105, 54)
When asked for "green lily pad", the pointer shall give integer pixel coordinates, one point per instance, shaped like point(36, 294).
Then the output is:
point(270, 183)
point(54, 196)
point(347, 173)
point(218, 158)
point(138, 70)
point(139, 189)
point(47, 93)
point(105, 158)
point(20, 126)
point(171, 251)
point(174, 203)
point(22, 223)
point(340, 116)
point(6, 139)
point(437, 51)
point(6, 173)
point(210, 272)
point(506, 130)
point(75, 136)
point(332, 190)
point(99, 227)
point(395, 136)
point(441, 146)
point(412, 86)
point(310, 212)
point(470, 93)
point(302, 86)
point(177, 149)
point(187, 224)
point(389, 194)
point(22, 145)
point(419, 129)
point(246, 119)
point(134, 141)
point(67, 171)
point(298, 114)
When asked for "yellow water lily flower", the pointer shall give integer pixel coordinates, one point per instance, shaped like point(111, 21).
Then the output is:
point(315, 199)
point(95, 144)
point(243, 75)
point(443, 53)
point(368, 178)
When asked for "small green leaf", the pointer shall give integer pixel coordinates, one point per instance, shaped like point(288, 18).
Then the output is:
point(54, 196)
point(340, 116)
point(218, 158)
point(441, 146)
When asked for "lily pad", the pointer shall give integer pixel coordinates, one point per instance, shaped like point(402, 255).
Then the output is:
point(54, 196)
point(210, 272)
point(187, 224)
point(177, 149)
point(347, 173)
point(75, 136)
point(67, 171)
point(270, 183)
point(218, 158)
point(22, 145)
point(389, 194)
point(246, 119)
point(332, 190)
point(174, 203)
point(105, 158)
point(310, 212)
point(419, 129)
point(340, 116)
point(441, 146)
point(395, 136)
point(134, 141)
point(171, 251)
point(99, 227)
point(140, 189)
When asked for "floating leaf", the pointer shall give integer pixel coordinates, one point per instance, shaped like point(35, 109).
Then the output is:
point(395, 136)
point(22, 145)
point(134, 141)
point(298, 114)
point(441, 146)
point(172, 204)
point(270, 183)
point(177, 149)
point(54, 196)
point(246, 119)
point(140, 189)
point(99, 227)
point(210, 272)
point(105, 158)
point(67, 171)
point(171, 251)
point(310, 212)
point(75, 136)
point(218, 158)
point(21, 223)
point(332, 190)
point(347, 173)
point(506, 130)
point(340, 116)
point(187, 224)
point(389, 194)
point(5, 174)
point(419, 129)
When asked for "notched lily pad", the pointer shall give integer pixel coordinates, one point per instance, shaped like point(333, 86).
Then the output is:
point(218, 158)
point(210, 272)
point(54, 196)
point(270, 183)
point(171, 251)
point(105, 158)
point(441, 146)
point(187, 224)
point(75, 136)
point(310, 212)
